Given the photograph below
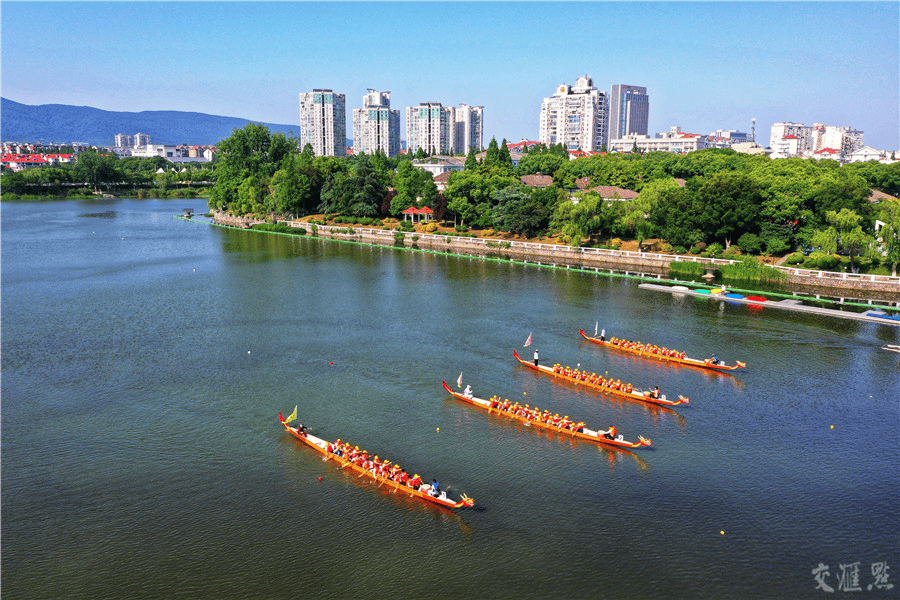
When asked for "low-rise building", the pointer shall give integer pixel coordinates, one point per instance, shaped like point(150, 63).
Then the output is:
point(441, 164)
point(867, 153)
point(674, 140)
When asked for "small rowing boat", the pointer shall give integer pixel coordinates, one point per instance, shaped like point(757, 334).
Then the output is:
point(323, 447)
point(582, 432)
point(591, 381)
point(678, 359)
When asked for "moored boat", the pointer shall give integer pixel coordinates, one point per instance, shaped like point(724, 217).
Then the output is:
point(677, 358)
point(578, 430)
point(421, 491)
point(598, 383)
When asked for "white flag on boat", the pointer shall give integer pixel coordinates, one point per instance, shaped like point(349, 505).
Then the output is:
point(459, 381)
point(528, 341)
point(596, 325)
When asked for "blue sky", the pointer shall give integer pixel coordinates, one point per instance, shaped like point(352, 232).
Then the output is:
point(707, 66)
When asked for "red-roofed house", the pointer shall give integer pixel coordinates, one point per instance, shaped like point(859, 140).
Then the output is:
point(521, 145)
point(610, 193)
point(573, 154)
point(537, 181)
point(829, 153)
point(442, 181)
point(17, 162)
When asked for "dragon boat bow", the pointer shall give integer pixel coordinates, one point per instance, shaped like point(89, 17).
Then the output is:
point(578, 432)
point(361, 466)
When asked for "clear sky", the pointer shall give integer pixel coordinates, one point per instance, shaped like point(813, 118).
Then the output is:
point(706, 66)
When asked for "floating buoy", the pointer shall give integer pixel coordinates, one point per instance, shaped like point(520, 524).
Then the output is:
point(524, 393)
point(832, 426)
point(331, 363)
point(722, 532)
point(248, 352)
point(438, 429)
point(320, 479)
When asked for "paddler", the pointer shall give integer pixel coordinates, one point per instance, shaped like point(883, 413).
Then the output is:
point(415, 482)
point(609, 434)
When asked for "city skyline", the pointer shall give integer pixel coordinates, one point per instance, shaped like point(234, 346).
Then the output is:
point(706, 66)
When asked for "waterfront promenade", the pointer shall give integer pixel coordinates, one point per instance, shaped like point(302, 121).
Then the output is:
point(841, 287)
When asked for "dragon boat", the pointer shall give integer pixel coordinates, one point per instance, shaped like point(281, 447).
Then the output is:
point(678, 359)
point(633, 394)
point(585, 433)
point(324, 447)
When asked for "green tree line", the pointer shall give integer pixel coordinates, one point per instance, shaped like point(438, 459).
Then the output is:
point(101, 171)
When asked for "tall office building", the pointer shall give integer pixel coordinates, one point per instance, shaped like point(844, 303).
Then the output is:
point(629, 108)
point(376, 126)
point(323, 122)
point(468, 129)
point(431, 127)
point(575, 116)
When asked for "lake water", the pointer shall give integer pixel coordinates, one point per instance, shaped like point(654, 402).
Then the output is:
point(145, 359)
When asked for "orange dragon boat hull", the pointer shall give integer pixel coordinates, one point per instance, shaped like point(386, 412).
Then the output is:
point(321, 446)
point(687, 361)
point(632, 395)
point(587, 434)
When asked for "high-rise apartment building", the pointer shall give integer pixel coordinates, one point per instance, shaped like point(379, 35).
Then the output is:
point(797, 139)
point(376, 126)
point(844, 139)
point(123, 140)
point(629, 110)
point(141, 139)
point(431, 127)
point(575, 116)
point(323, 122)
point(468, 129)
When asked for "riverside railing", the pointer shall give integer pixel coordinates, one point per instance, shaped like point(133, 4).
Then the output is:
point(577, 251)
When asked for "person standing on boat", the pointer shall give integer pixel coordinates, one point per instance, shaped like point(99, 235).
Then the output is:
point(536, 357)
point(603, 336)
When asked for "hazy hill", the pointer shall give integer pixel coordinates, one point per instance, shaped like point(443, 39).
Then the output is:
point(65, 124)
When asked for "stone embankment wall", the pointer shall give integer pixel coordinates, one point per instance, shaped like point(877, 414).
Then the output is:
point(835, 285)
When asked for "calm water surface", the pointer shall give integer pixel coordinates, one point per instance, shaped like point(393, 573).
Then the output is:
point(145, 359)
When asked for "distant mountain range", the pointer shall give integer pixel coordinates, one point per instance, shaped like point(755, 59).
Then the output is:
point(64, 124)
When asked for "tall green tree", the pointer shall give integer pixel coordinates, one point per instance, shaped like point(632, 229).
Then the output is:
point(504, 157)
point(520, 212)
point(729, 204)
point(471, 161)
point(587, 216)
point(890, 232)
point(844, 233)
point(96, 169)
point(248, 153)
